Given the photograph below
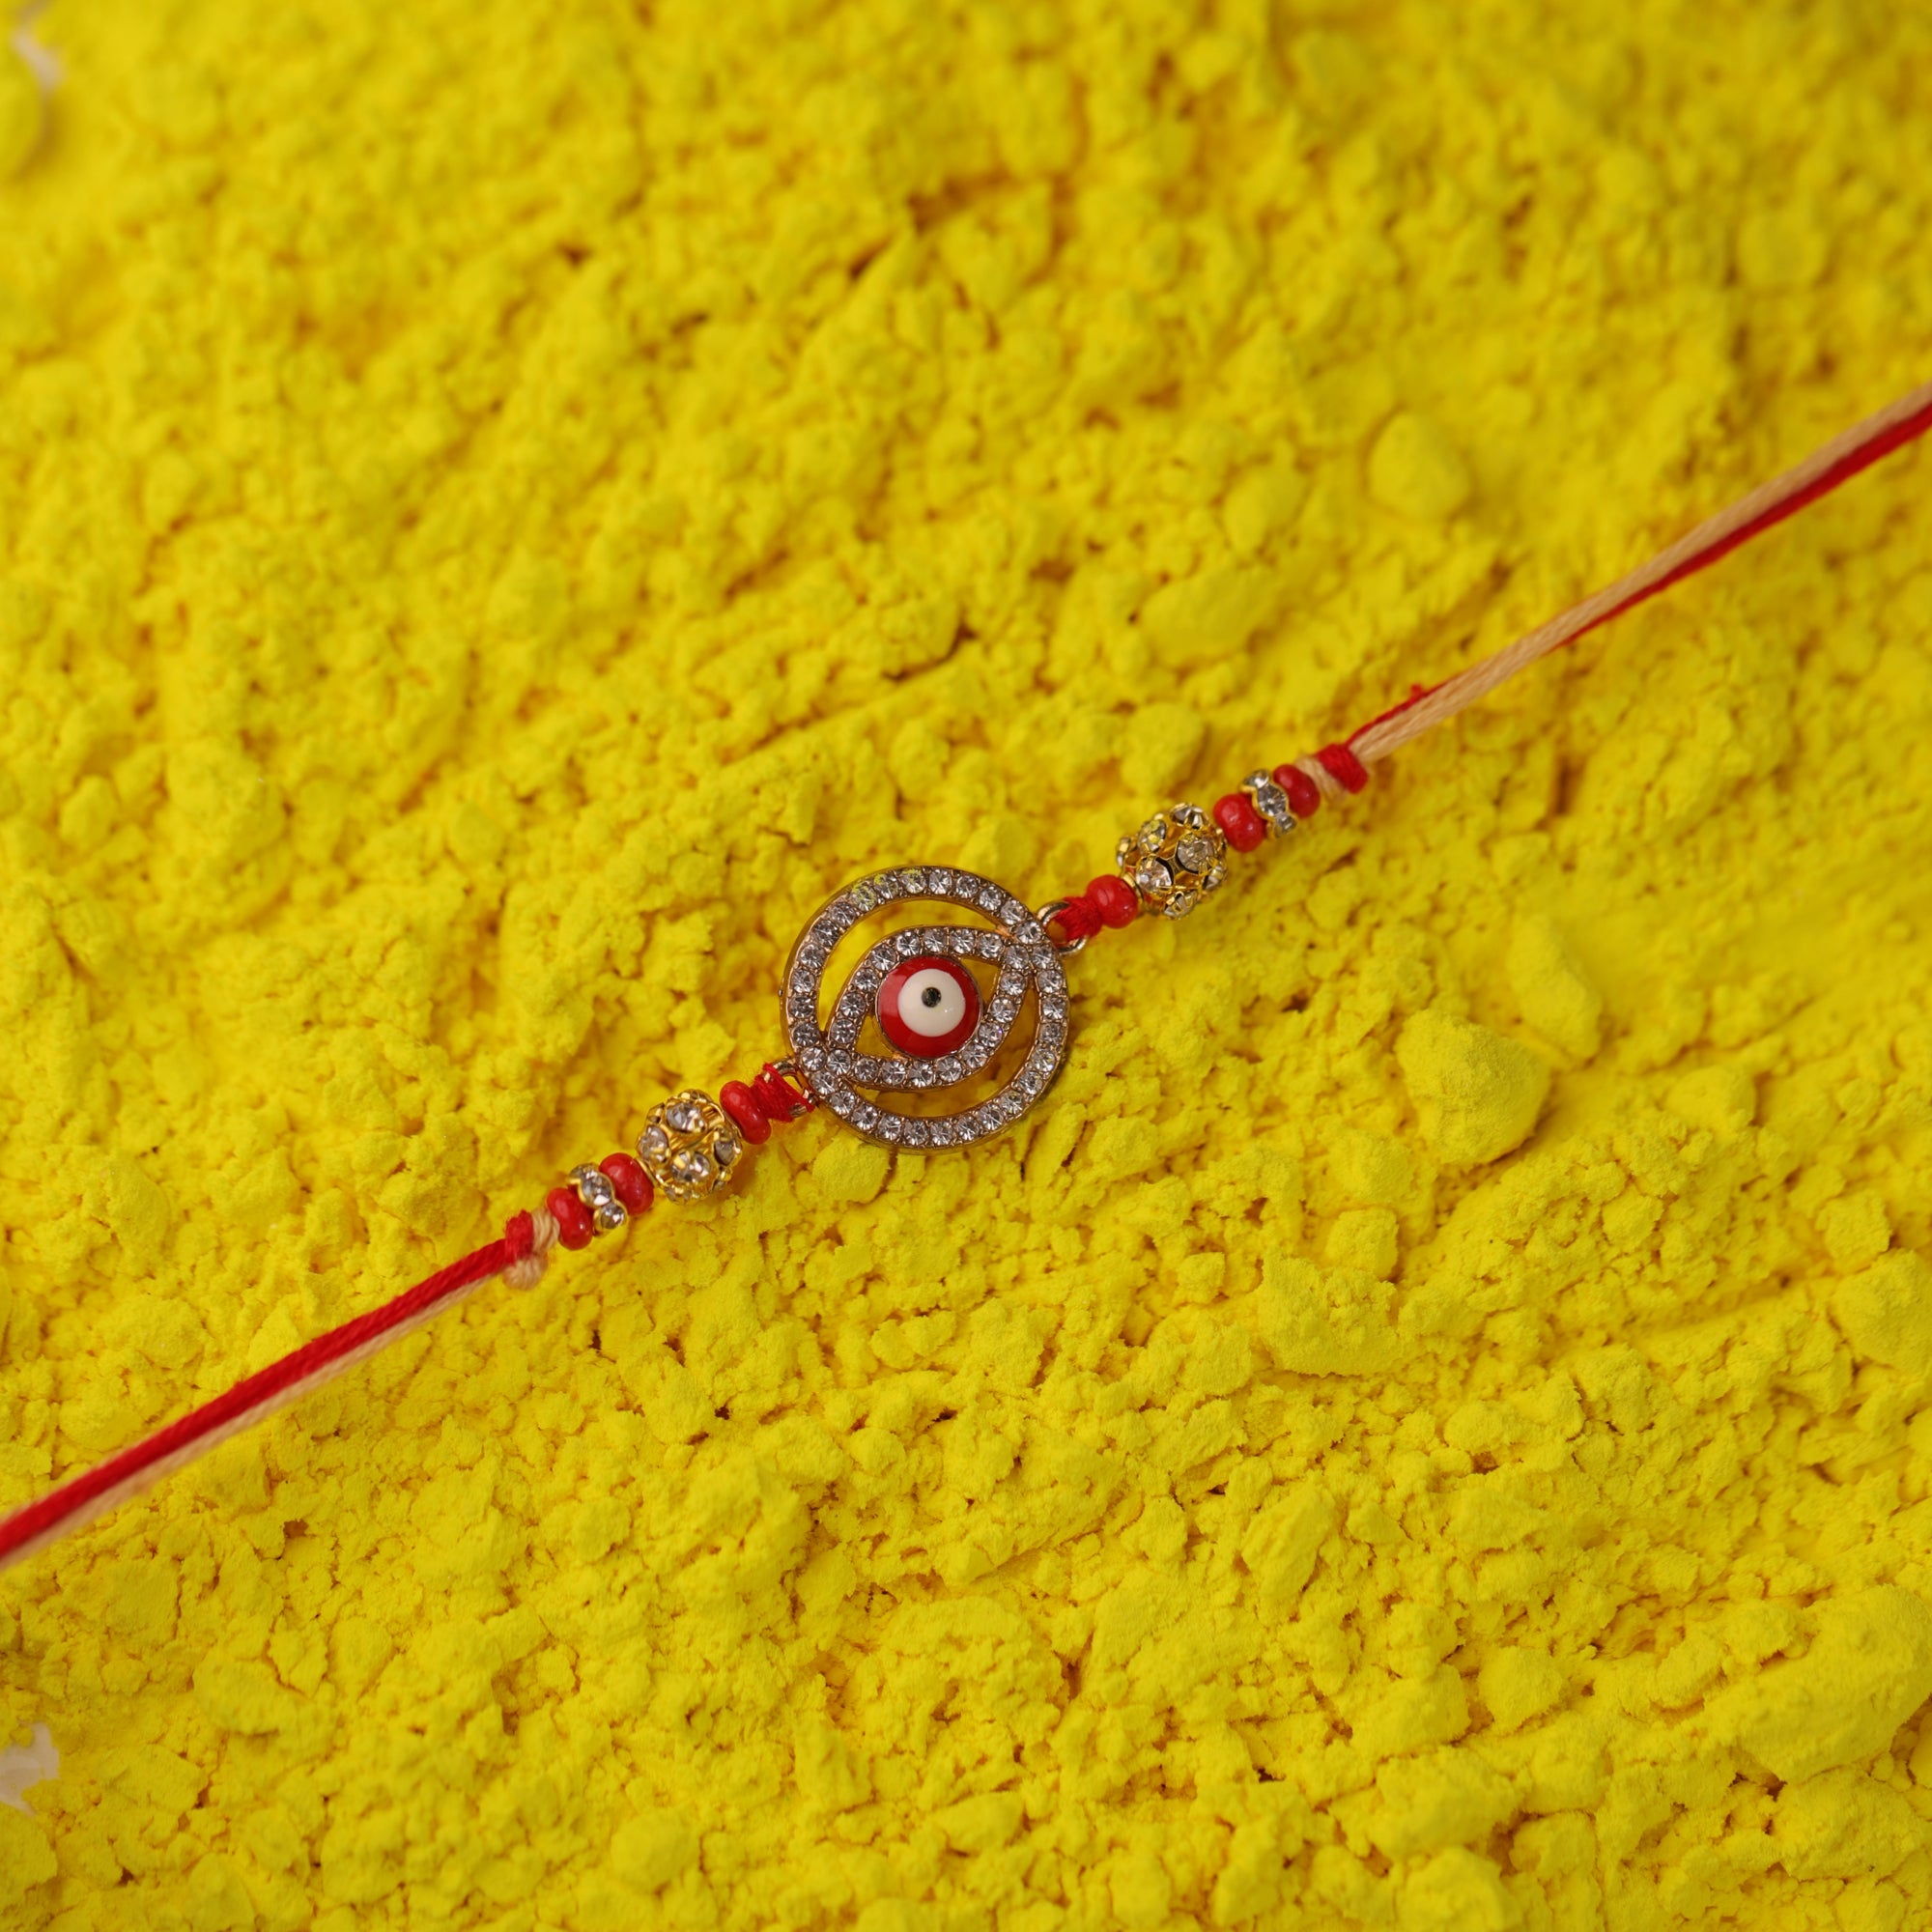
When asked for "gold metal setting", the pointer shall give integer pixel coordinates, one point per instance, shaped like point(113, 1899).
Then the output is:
point(595, 1189)
point(689, 1147)
point(1174, 861)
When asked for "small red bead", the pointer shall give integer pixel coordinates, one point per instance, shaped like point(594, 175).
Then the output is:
point(741, 1104)
point(626, 1174)
point(1304, 795)
point(572, 1218)
point(1114, 900)
point(1236, 816)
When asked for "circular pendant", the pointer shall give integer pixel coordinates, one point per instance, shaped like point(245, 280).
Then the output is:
point(920, 988)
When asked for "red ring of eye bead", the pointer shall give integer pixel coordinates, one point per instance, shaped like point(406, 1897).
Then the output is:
point(1304, 795)
point(921, 1045)
point(574, 1226)
point(1236, 816)
point(1114, 901)
point(626, 1174)
point(741, 1104)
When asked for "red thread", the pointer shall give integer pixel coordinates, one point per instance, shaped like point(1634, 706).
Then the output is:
point(1416, 693)
point(1823, 484)
point(1077, 919)
point(126, 1474)
point(1861, 446)
point(778, 1098)
point(519, 1236)
point(1341, 765)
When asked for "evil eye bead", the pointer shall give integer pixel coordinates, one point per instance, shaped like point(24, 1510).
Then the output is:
point(928, 1006)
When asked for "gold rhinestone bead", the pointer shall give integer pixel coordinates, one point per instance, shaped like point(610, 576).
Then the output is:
point(1272, 802)
point(689, 1147)
point(1174, 860)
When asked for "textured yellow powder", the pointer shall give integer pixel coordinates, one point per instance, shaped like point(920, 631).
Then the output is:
point(502, 507)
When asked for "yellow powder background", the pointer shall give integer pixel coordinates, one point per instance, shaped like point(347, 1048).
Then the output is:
point(505, 507)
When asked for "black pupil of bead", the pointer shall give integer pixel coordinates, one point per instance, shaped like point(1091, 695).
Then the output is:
point(931, 997)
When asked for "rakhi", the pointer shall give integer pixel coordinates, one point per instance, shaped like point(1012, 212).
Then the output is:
point(942, 1000)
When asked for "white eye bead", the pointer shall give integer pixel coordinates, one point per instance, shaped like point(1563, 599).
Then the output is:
point(931, 1002)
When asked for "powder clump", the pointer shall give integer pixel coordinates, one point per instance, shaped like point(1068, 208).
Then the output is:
point(1868, 1668)
point(1476, 1093)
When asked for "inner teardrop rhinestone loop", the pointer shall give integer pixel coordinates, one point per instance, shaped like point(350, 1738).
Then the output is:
point(828, 1058)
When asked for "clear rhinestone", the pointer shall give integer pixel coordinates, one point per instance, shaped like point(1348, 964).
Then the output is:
point(1190, 816)
point(864, 897)
point(940, 1133)
point(951, 1068)
point(608, 1216)
point(1152, 877)
point(690, 1164)
point(1005, 1007)
point(842, 1065)
point(916, 1133)
point(1196, 855)
point(842, 1101)
point(653, 1143)
point(865, 1116)
point(725, 1149)
point(907, 944)
point(1154, 836)
point(888, 1126)
point(685, 1117)
point(813, 1060)
point(1270, 801)
point(990, 896)
point(913, 879)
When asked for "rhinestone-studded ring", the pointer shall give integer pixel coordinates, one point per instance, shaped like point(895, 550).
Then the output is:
point(920, 988)
point(1272, 802)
